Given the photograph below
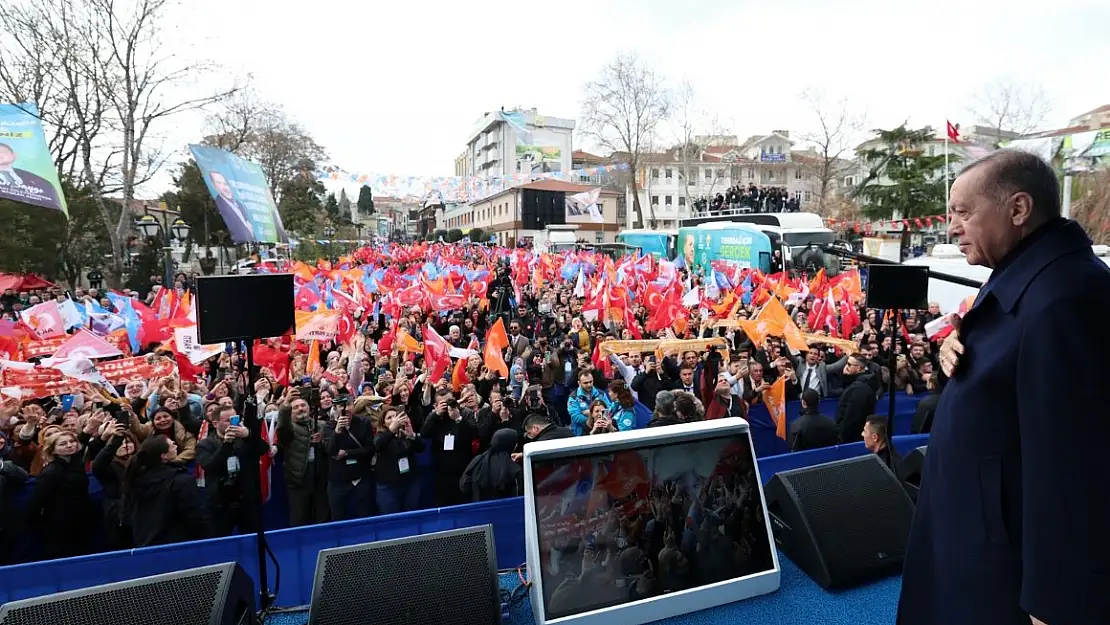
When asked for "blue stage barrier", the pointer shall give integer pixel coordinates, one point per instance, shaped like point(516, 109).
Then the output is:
point(763, 429)
point(296, 549)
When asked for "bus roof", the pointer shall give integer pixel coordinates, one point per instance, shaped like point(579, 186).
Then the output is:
point(646, 231)
point(800, 221)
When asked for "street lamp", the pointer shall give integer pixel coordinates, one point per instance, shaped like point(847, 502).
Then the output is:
point(152, 228)
point(329, 232)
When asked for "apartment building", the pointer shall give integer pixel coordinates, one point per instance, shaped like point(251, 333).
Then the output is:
point(520, 213)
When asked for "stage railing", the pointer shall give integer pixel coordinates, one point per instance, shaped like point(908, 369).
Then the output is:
point(296, 549)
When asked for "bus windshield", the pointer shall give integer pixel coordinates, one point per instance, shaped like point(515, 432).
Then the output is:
point(797, 239)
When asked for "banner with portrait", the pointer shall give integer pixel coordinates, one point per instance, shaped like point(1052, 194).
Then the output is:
point(242, 196)
point(27, 172)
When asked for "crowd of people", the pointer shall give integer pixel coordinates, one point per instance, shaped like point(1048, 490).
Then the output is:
point(750, 199)
point(368, 426)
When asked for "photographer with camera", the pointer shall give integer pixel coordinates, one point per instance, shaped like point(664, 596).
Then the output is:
point(300, 437)
point(229, 457)
point(452, 431)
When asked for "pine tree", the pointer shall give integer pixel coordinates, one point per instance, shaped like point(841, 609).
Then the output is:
point(903, 180)
point(365, 201)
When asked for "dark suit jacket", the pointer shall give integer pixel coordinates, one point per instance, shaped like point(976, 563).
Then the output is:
point(1012, 519)
point(236, 220)
point(812, 430)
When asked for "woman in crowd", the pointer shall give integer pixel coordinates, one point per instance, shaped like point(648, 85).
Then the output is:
point(493, 474)
point(111, 448)
point(164, 501)
point(598, 420)
point(61, 509)
point(164, 423)
point(627, 413)
point(397, 445)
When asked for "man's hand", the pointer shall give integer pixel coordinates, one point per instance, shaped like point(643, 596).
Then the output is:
point(952, 348)
point(1037, 621)
point(236, 431)
point(316, 437)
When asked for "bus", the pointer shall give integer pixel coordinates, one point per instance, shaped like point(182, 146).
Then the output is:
point(791, 233)
point(741, 244)
point(658, 243)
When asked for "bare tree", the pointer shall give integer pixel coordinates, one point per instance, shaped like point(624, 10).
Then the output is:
point(1007, 106)
point(261, 132)
point(1092, 206)
point(835, 134)
point(622, 111)
point(103, 84)
point(695, 130)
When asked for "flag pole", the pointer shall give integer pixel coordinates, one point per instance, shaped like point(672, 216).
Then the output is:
point(947, 190)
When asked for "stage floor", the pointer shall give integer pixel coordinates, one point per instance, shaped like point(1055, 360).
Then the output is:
point(799, 601)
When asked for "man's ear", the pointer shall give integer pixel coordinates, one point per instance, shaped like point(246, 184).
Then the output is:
point(1020, 207)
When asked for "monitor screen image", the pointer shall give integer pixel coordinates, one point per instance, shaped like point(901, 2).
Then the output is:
point(616, 527)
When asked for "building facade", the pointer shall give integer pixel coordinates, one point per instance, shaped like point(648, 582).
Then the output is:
point(670, 182)
point(495, 147)
point(500, 215)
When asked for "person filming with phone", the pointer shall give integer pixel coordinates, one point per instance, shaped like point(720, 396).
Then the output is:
point(398, 486)
point(300, 437)
point(229, 457)
point(350, 447)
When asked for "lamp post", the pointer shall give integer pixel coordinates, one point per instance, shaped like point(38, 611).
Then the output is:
point(329, 232)
point(152, 227)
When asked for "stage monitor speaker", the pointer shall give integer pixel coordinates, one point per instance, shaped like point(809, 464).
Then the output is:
point(909, 471)
point(904, 287)
point(237, 308)
point(843, 522)
point(221, 594)
point(444, 578)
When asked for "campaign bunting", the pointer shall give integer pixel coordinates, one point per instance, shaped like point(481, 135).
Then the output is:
point(242, 196)
point(49, 347)
point(44, 382)
point(322, 325)
point(27, 172)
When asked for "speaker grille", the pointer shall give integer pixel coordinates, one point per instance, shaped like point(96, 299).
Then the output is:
point(188, 600)
point(858, 513)
point(443, 579)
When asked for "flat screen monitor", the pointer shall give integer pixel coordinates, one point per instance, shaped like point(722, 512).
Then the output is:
point(634, 527)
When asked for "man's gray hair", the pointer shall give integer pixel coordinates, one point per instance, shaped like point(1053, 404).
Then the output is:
point(1013, 171)
point(664, 402)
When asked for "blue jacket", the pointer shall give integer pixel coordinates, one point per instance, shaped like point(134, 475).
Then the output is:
point(578, 407)
point(1013, 518)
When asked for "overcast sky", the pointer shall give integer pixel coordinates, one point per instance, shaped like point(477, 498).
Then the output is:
point(394, 87)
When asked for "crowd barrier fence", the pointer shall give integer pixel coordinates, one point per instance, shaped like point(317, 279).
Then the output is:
point(296, 549)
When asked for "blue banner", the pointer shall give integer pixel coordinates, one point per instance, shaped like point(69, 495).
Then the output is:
point(242, 196)
point(27, 172)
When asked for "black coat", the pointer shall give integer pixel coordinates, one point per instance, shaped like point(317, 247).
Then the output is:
point(493, 474)
point(1011, 519)
point(855, 405)
point(166, 507)
point(61, 508)
point(812, 430)
point(923, 415)
point(358, 442)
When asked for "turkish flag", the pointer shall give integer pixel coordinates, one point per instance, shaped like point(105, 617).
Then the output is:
point(436, 353)
point(85, 344)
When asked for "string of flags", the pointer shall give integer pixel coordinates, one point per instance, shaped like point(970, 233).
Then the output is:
point(912, 223)
point(455, 189)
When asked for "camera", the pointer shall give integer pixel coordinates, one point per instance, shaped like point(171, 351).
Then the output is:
point(452, 403)
point(509, 403)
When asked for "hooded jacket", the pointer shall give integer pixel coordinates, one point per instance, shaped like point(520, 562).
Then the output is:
point(493, 474)
point(166, 507)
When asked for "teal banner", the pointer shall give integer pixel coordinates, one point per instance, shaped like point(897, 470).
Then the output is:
point(27, 172)
point(242, 196)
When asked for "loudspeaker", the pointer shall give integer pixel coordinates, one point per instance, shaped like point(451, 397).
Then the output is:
point(905, 287)
point(237, 308)
point(540, 209)
point(220, 594)
point(842, 522)
point(909, 471)
point(445, 578)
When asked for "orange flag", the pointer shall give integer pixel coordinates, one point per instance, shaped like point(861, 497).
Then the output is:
point(775, 400)
point(758, 331)
point(776, 315)
point(405, 343)
point(313, 361)
point(496, 342)
point(458, 375)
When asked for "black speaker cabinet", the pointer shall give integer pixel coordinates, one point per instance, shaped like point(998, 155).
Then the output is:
point(903, 287)
point(236, 308)
point(445, 578)
point(842, 522)
point(909, 471)
point(220, 594)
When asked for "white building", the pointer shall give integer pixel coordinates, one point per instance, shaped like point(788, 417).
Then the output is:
point(495, 148)
point(671, 181)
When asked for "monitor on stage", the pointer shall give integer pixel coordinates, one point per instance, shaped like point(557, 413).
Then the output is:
point(634, 527)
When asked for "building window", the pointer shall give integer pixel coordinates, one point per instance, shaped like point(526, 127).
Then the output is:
point(599, 237)
point(682, 201)
point(932, 150)
point(751, 173)
point(655, 173)
point(849, 181)
point(720, 174)
point(668, 200)
point(806, 195)
point(655, 200)
point(798, 174)
point(667, 173)
point(708, 174)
